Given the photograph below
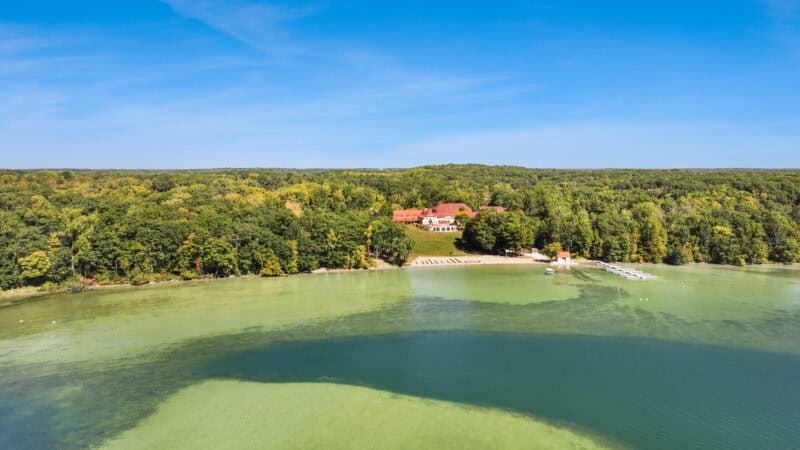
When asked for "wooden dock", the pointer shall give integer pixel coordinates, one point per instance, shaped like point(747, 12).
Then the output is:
point(629, 274)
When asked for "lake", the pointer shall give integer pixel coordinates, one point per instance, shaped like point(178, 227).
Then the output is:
point(456, 357)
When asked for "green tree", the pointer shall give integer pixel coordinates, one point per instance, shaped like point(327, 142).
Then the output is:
point(219, 258)
point(652, 242)
point(292, 266)
point(272, 265)
point(612, 242)
point(76, 231)
point(358, 258)
point(391, 241)
point(782, 237)
point(189, 255)
point(35, 267)
point(552, 249)
point(479, 232)
point(368, 236)
point(678, 254)
point(514, 231)
point(462, 218)
point(581, 234)
point(724, 247)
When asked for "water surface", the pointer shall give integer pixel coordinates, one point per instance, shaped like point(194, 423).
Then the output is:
point(702, 357)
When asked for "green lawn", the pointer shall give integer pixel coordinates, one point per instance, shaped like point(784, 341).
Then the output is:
point(428, 243)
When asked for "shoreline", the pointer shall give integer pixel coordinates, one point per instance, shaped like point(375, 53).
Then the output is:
point(24, 295)
point(470, 260)
point(19, 296)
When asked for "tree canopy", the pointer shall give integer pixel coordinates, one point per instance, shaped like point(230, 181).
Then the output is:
point(135, 226)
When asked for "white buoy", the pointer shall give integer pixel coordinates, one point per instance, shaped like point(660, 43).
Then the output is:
point(54, 322)
point(21, 321)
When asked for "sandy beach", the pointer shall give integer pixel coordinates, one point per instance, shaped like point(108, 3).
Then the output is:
point(433, 261)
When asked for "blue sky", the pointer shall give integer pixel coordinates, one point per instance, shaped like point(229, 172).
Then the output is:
point(247, 83)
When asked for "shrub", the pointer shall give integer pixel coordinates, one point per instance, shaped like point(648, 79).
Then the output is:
point(187, 275)
point(139, 278)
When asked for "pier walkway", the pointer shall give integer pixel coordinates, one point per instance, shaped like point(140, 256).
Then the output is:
point(630, 274)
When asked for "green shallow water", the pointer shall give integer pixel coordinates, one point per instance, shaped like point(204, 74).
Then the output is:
point(702, 357)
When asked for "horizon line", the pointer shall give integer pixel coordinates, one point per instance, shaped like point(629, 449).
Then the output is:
point(221, 168)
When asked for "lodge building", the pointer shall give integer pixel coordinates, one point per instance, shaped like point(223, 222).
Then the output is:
point(440, 218)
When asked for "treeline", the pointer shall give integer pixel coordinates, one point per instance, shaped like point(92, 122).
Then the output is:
point(111, 226)
point(107, 227)
point(672, 217)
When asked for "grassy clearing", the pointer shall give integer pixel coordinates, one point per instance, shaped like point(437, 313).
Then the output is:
point(427, 243)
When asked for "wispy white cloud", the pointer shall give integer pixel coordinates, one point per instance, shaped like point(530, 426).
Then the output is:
point(105, 105)
point(259, 25)
point(128, 99)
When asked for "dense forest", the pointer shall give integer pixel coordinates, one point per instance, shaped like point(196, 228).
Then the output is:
point(60, 227)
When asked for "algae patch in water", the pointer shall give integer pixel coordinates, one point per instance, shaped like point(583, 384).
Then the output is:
point(233, 414)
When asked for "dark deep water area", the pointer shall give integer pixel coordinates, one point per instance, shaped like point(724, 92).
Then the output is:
point(650, 394)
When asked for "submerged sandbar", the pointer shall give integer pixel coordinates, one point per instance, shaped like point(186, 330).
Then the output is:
point(233, 414)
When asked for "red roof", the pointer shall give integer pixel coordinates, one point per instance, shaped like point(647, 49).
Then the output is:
point(406, 215)
point(448, 210)
point(563, 254)
point(440, 211)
